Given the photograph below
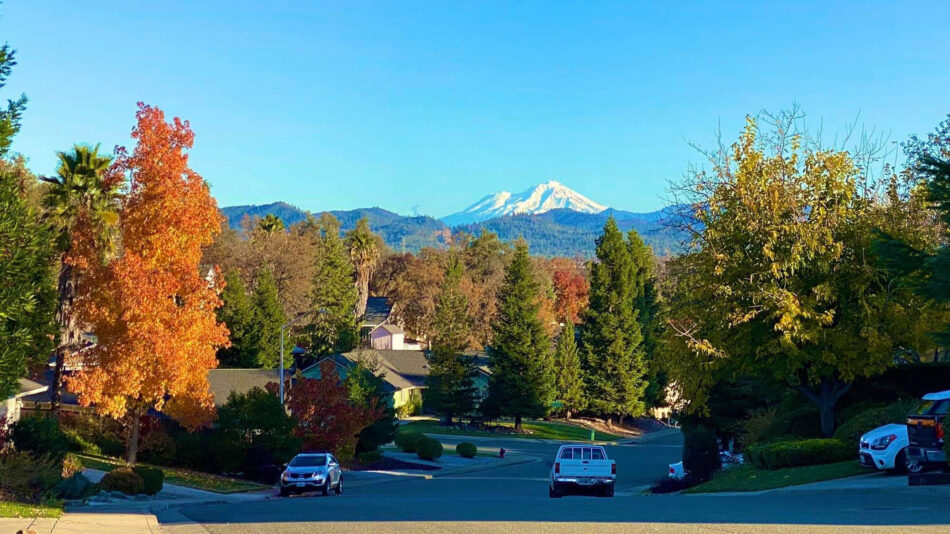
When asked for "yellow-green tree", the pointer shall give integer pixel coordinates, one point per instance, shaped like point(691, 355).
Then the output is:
point(780, 280)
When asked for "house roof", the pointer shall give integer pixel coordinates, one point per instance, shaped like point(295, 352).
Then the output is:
point(29, 387)
point(401, 369)
point(391, 328)
point(377, 311)
point(226, 381)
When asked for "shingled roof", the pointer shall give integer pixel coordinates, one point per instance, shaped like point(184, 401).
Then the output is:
point(401, 369)
point(377, 311)
point(226, 381)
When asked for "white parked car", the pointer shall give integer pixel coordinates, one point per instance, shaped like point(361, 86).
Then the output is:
point(582, 468)
point(885, 448)
point(728, 459)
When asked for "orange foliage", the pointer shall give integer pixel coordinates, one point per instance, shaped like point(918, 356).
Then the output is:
point(151, 309)
point(571, 287)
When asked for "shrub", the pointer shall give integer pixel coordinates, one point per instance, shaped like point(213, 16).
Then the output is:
point(797, 453)
point(428, 448)
point(466, 450)
point(93, 434)
point(24, 477)
point(671, 485)
point(852, 430)
point(700, 453)
point(75, 487)
point(369, 457)
point(40, 436)
point(407, 441)
point(71, 465)
point(152, 477)
point(3, 431)
point(123, 479)
point(158, 448)
point(759, 426)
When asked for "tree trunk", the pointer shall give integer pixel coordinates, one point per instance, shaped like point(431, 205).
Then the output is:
point(132, 447)
point(69, 331)
point(567, 415)
point(517, 422)
point(826, 398)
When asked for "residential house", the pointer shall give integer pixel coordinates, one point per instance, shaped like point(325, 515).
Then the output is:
point(403, 372)
point(224, 382)
point(10, 407)
point(387, 337)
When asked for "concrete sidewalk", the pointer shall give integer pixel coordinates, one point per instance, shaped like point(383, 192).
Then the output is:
point(126, 522)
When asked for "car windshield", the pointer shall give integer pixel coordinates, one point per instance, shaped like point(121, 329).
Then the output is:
point(310, 460)
point(939, 407)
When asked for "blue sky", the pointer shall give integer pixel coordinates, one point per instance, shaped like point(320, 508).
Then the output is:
point(424, 107)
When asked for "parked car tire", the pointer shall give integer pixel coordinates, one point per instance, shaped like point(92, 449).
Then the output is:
point(339, 486)
point(913, 466)
point(325, 490)
point(284, 492)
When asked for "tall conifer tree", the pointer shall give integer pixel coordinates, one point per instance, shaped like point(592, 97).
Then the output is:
point(522, 381)
point(450, 386)
point(237, 313)
point(333, 328)
point(569, 379)
point(268, 318)
point(612, 335)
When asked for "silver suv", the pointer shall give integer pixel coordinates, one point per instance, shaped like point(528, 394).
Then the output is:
point(312, 471)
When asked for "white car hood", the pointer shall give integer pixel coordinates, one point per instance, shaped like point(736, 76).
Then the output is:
point(893, 428)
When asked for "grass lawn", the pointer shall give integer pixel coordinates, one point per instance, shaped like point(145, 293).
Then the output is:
point(748, 478)
point(18, 509)
point(181, 477)
point(539, 430)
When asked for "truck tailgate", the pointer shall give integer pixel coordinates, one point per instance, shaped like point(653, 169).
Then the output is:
point(586, 468)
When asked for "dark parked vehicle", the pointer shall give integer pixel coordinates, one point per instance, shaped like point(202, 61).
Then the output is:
point(312, 471)
point(925, 431)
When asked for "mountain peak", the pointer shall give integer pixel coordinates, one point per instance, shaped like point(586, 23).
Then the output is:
point(538, 199)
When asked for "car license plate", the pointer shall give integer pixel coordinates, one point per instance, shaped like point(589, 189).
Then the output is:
point(300, 484)
point(587, 481)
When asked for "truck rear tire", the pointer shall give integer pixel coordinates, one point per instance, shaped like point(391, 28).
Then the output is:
point(608, 491)
point(554, 492)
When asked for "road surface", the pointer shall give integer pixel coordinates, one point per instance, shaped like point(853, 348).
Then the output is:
point(514, 499)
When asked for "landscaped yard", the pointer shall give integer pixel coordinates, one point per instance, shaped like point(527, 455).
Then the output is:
point(182, 477)
point(748, 478)
point(538, 429)
point(18, 509)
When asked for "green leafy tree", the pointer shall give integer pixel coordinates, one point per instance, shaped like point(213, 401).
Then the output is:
point(365, 248)
point(612, 337)
point(237, 313)
point(522, 380)
point(334, 328)
point(569, 377)
point(27, 296)
point(366, 388)
point(254, 431)
point(81, 199)
point(9, 117)
point(450, 386)
point(268, 317)
point(780, 281)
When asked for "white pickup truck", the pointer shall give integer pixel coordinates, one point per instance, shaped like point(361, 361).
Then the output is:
point(582, 468)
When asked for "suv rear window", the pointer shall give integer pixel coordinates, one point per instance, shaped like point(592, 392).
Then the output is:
point(939, 407)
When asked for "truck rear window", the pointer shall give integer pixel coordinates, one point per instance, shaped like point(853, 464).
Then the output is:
point(582, 453)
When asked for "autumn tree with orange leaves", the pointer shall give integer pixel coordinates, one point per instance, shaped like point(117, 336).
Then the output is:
point(152, 310)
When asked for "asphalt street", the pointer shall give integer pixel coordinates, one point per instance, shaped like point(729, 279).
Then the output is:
point(514, 498)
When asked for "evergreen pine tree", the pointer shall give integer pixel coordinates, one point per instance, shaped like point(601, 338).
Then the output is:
point(569, 379)
point(237, 313)
point(644, 281)
point(366, 388)
point(522, 381)
point(268, 318)
point(333, 328)
point(450, 386)
point(612, 336)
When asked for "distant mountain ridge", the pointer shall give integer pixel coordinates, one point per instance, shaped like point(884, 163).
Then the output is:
point(555, 232)
point(532, 201)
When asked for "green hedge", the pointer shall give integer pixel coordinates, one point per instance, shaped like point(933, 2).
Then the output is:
point(407, 441)
point(428, 449)
point(466, 450)
point(123, 479)
point(153, 478)
point(797, 453)
point(369, 457)
point(852, 429)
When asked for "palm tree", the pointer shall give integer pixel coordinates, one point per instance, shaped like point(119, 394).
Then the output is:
point(271, 223)
point(80, 193)
point(365, 251)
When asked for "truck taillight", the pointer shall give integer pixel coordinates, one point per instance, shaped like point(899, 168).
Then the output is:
point(613, 469)
point(939, 431)
point(557, 468)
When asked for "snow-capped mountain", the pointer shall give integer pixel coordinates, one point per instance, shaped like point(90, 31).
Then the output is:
point(538, 199)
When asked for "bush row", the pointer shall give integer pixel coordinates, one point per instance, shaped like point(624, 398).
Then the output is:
point(797, 453)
